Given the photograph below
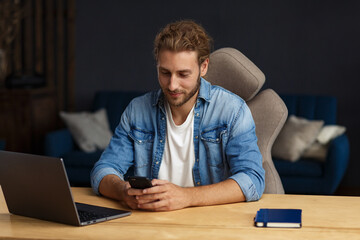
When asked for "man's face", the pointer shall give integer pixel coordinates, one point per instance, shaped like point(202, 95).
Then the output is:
point(179, 76)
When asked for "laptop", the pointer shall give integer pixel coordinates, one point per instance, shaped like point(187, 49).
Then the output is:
point(37, 186)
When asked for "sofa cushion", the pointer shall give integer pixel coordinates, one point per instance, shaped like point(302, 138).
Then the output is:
point(319, 149)
point(301, 168)
point(295, 137)
point(316, 151)
point(329, 132)
point(91, 131)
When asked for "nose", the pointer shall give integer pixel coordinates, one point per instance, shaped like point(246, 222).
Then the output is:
point(173, 83)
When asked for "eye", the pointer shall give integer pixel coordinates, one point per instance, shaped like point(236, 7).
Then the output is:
point(166, 73)
point(183, 75)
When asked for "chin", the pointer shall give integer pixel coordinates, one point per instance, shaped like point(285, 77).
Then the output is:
point(175, 103)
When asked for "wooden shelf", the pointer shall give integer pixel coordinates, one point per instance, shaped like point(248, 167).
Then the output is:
point(26, 115)
point(41, 43)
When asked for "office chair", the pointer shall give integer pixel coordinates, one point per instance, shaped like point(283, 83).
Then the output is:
point(233, 71)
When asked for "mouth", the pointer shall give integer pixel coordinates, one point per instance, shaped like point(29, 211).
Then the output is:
point(174, 94)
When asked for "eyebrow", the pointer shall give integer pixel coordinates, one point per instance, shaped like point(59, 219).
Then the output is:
point(180, 71)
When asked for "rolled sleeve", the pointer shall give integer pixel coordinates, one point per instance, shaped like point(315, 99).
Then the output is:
point(117, 157)
point(248, 188)
point(99, 174)
point(245, 159)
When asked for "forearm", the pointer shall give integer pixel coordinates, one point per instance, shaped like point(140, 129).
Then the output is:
point(166, 196)
point(112, 186)
point(224, 192)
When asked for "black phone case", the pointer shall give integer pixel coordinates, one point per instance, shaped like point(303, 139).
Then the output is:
point(140, 182)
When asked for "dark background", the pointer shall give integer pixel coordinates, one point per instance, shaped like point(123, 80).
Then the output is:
point(302, 46)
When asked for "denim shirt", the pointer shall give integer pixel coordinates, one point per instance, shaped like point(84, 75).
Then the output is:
point(225, 142)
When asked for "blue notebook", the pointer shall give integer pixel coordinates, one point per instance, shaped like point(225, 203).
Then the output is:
point(281, 218)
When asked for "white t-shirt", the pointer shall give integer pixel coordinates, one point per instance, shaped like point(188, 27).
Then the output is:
point(179, 155)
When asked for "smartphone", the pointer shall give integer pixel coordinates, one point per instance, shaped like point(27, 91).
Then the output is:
point(140, 182)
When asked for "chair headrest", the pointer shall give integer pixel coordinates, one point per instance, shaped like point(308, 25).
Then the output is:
point(231, 70)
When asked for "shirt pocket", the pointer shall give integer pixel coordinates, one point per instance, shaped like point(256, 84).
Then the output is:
point(213, 139)
point(143, 146)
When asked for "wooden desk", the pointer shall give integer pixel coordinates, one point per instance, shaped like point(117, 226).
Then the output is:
point(324, 217)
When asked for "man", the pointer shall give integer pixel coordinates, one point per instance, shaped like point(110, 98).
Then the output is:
point(195, 141)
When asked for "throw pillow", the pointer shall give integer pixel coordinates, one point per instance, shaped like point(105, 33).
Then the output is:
point(318, 150)
point(91, 131)
point(329, 132)
point(295, 137)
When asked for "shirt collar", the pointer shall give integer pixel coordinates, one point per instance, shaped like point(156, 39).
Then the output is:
point(205, 89)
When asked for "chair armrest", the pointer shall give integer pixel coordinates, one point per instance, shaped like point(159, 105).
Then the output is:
point(58, 143)
point(337, 160)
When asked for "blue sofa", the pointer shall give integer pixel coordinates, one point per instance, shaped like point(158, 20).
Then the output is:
point(60, 143)
point(305, 176)
point(308, 176)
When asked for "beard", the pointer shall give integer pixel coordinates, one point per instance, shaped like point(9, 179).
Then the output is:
point(186, 96)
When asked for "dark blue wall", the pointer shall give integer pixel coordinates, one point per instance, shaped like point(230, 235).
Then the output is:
point(302, 46)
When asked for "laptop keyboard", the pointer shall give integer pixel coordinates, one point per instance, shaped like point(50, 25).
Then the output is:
point(86, 216)
point(91, 214)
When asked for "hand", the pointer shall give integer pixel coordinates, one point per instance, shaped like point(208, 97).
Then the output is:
point(128, 195)
point(113, 187)
point(164, 196)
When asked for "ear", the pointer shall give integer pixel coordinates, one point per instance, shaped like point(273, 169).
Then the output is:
point(204, 67)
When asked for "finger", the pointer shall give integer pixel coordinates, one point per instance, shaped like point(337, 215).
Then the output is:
point(145, 201)
point(127, 185)
point(132, 206)
point(154, 190)
point(156, 182)
point(153, 206)
point(131, 202)
point(149, 197)
point(134, 192)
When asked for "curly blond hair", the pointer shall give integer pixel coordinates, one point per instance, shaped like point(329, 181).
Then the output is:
point(184, 35)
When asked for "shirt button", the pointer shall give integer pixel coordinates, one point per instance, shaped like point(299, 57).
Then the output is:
point(140, 141)
point(157, 162)
point(197, 114)
point(198, 183)
point(196, 137)
point(161, 140)
point(162, 118)
point(197, 160)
